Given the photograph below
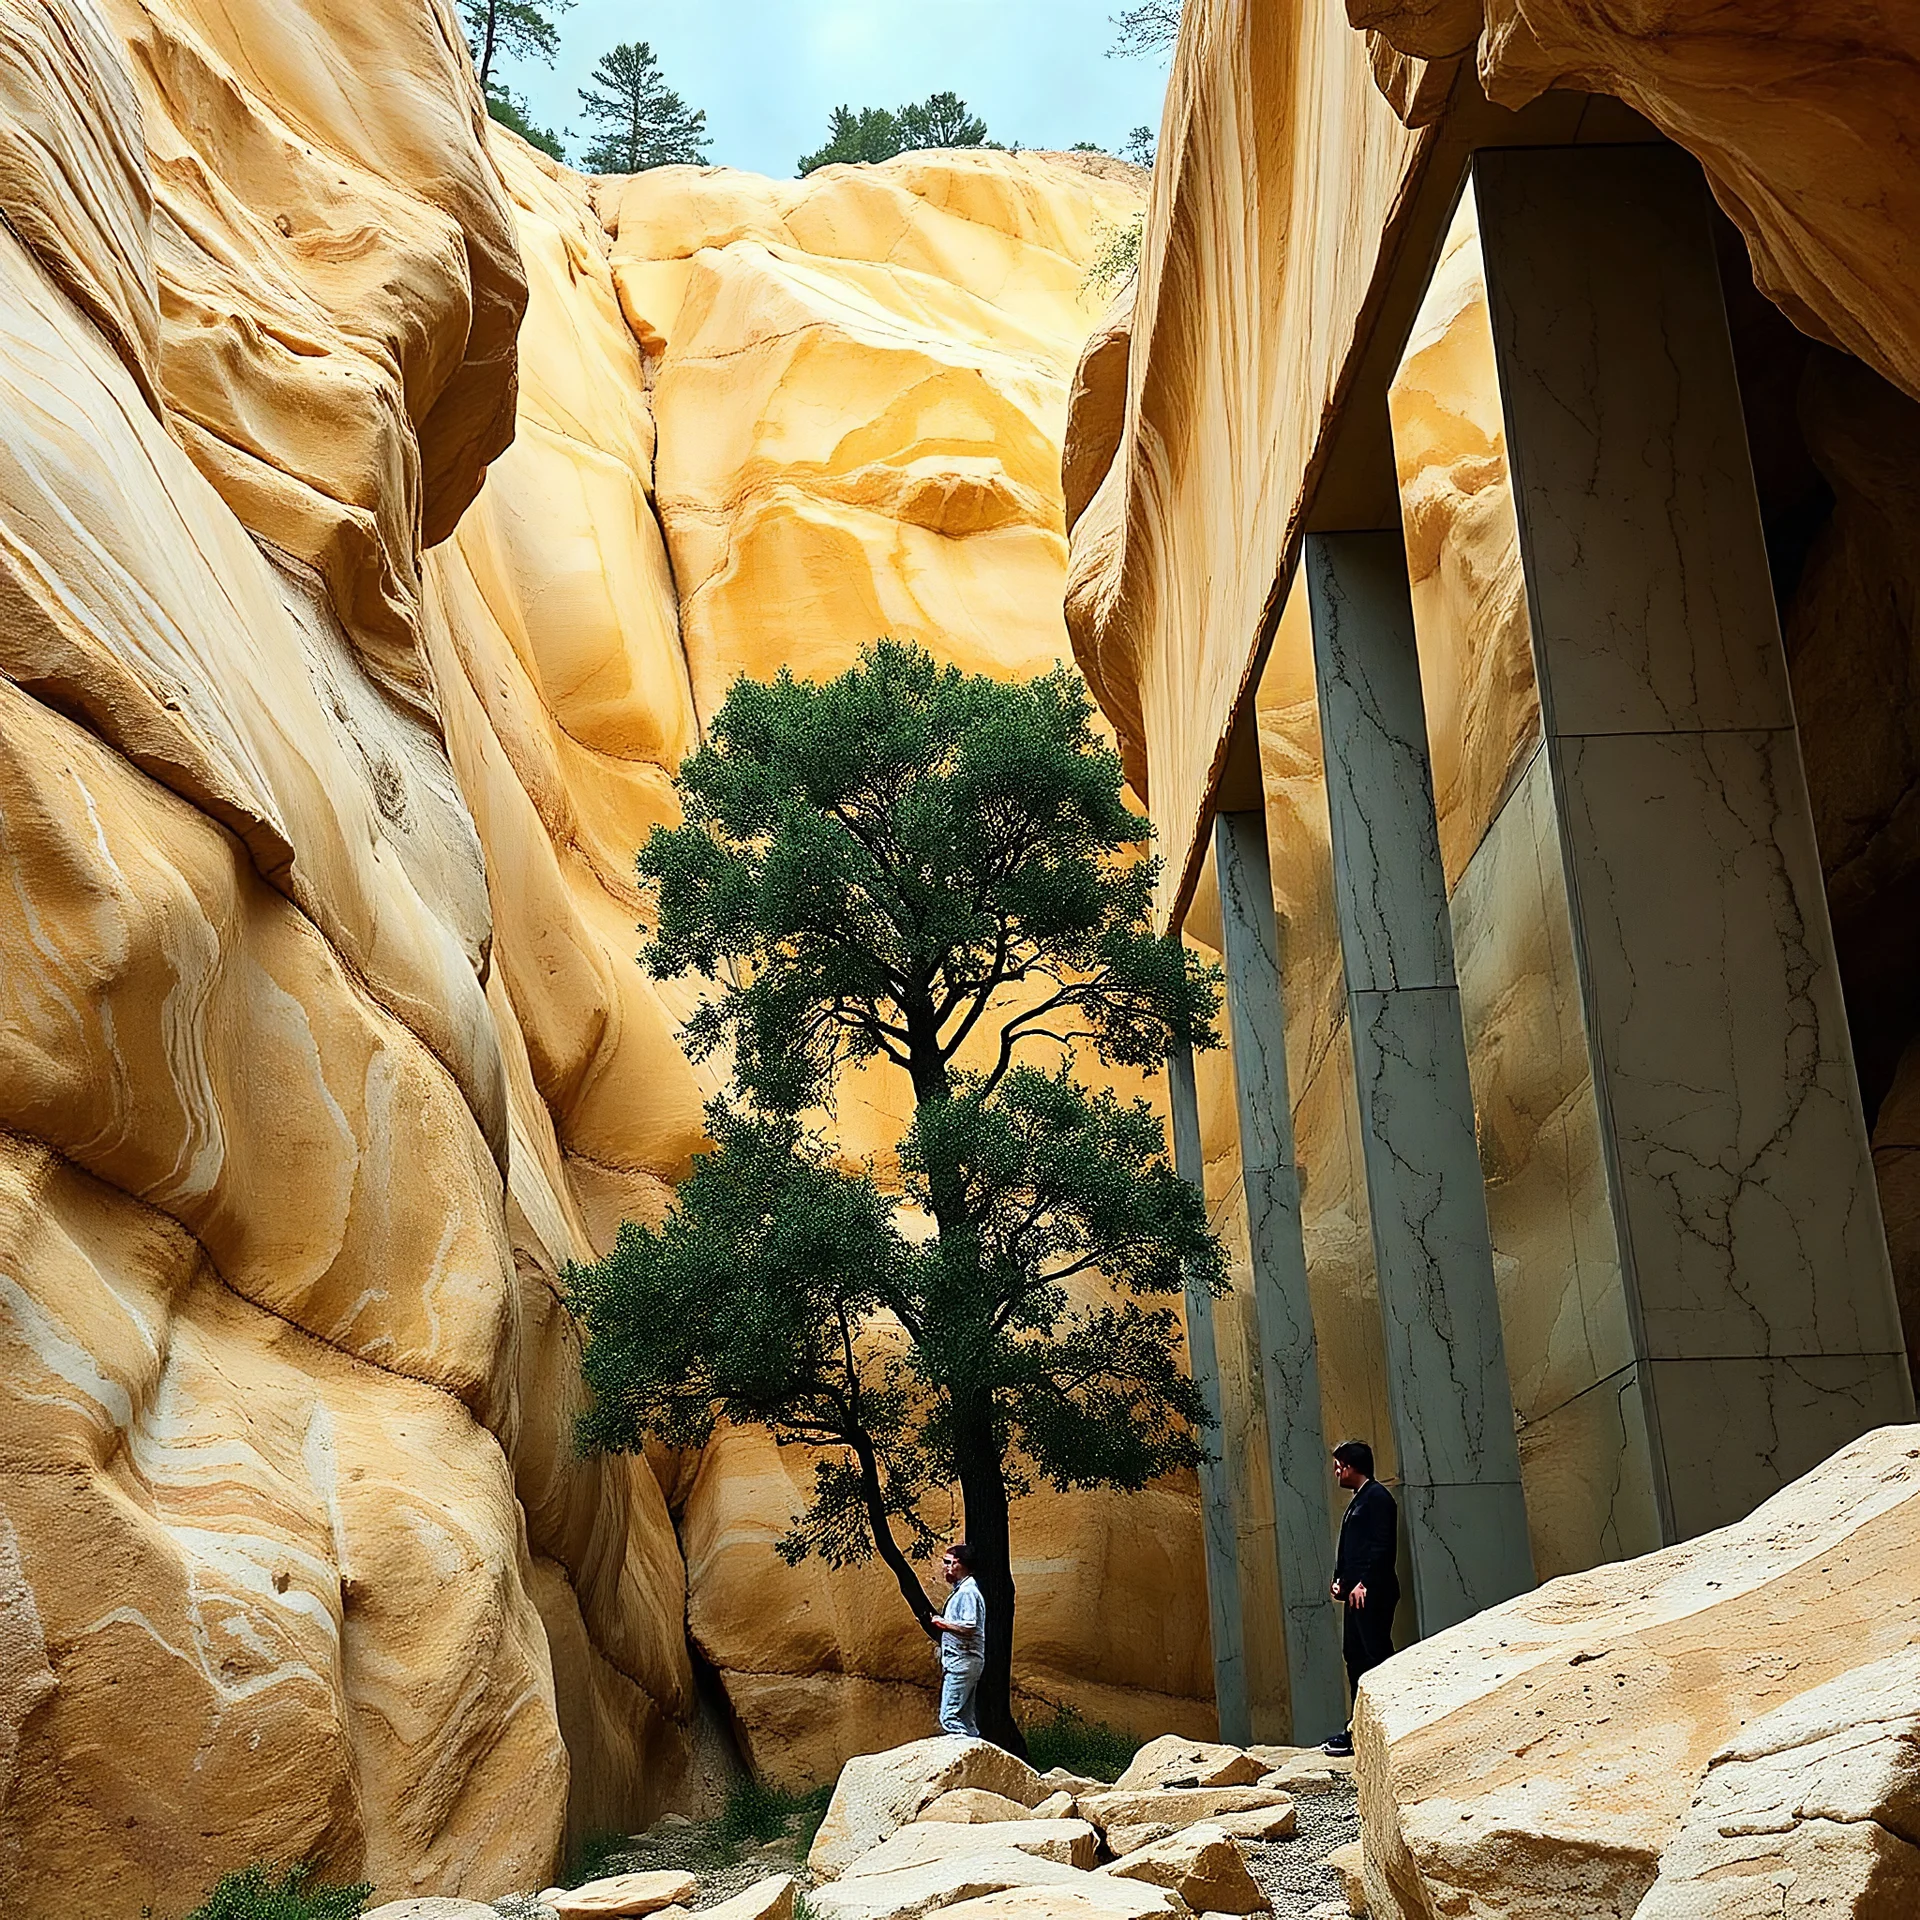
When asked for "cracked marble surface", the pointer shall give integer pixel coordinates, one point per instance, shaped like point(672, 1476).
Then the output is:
point(1413, 1099)
point(1692, 1270)
point(1746, 1182)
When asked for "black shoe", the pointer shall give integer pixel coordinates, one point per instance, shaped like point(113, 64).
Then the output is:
point(1341, 1745)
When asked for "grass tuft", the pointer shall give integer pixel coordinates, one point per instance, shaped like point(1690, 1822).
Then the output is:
point(1078, 1745)
point(252, 1893)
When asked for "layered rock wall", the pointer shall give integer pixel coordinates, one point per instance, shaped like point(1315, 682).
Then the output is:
point(342, 670)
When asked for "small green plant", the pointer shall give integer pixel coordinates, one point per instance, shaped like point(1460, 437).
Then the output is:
point(251, 1893)
point(756, 1812)
point(598, 1853)
point(1116, 257)
point(1089, 1748)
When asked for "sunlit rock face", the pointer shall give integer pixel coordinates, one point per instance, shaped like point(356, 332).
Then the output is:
point(1723, 1727)
point(343, 672)
point(1805, 119)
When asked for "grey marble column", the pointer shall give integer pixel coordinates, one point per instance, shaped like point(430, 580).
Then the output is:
point(1740, 1182)
point(1283, 1312)
point(1219, 1530)
point(1447, 1383)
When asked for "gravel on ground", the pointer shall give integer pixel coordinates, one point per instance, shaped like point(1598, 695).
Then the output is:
point(1293, 1873)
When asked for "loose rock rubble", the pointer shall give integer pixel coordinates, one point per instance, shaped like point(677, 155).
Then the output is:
point(964, 1830)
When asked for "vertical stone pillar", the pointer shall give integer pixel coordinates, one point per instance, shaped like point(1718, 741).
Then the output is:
point(1447, 1386)
point(1282, 1308)
point(1738, 1180)
point(1219, 1530)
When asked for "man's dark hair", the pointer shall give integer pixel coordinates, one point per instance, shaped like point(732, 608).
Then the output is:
point(963, 1552)
point(1355, 1453)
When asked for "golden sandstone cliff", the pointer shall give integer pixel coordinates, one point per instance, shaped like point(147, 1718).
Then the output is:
point(380, 509)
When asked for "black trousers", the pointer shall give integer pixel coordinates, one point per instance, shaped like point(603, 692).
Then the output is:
point(1368, 1634)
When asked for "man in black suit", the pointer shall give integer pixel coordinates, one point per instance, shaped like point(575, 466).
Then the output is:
point(1364, 1580)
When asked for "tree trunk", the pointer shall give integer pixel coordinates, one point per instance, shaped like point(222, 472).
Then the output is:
point(983, 1487)
point(881, 1528)
point(486, 50)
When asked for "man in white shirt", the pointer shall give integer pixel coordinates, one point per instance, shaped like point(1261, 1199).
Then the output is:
point(963, 1641)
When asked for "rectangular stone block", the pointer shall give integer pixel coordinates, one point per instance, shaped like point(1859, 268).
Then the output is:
point(1733, 1431)
point(1646, 570)
point(1751, 1216)
point(1587, 1466)
point(1430, 1228)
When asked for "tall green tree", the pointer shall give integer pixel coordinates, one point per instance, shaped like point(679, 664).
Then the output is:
point(913, 865)
point(875, 133)
point(939, 121)
point(519, 30)
point(871, 135)
point(643, 122)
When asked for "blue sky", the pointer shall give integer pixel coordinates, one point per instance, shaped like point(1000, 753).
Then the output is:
point(768, 71)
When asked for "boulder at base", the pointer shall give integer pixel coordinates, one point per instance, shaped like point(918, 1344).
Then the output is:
point(973, 1806)
point(1813, 1810)
point(1204, 1866)
point(1264, 1823)
point(1069, 1843)
point(764, 1900)
point(1125, 1840)
point(1348, 1865)
point(1301, 1769)
point(908, 1892)
point(433, 1906)
point(1056, 1806)
point(623, 1894)
point(878, 1793)
point(1173, 1762)
point(1087, 1896)
point(1538, 1760)
point(1173, 1806)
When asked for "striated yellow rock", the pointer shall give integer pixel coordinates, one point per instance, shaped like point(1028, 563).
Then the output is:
point(1543, 1755)
point(322, 1048)
point(861, 396)
point(285, 1450)
point(1804, 118)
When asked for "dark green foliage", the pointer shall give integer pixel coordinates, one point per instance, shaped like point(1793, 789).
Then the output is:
point(1141, 143)
point(939, 121)
point(643, 122)
point(854, 139)
point(1089, 1748)
point(873, 134)
point(511, 111)
point(889, 866)
point(881, 858)
point(253, 1893)
point(518, 29)
point(1145, 30)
